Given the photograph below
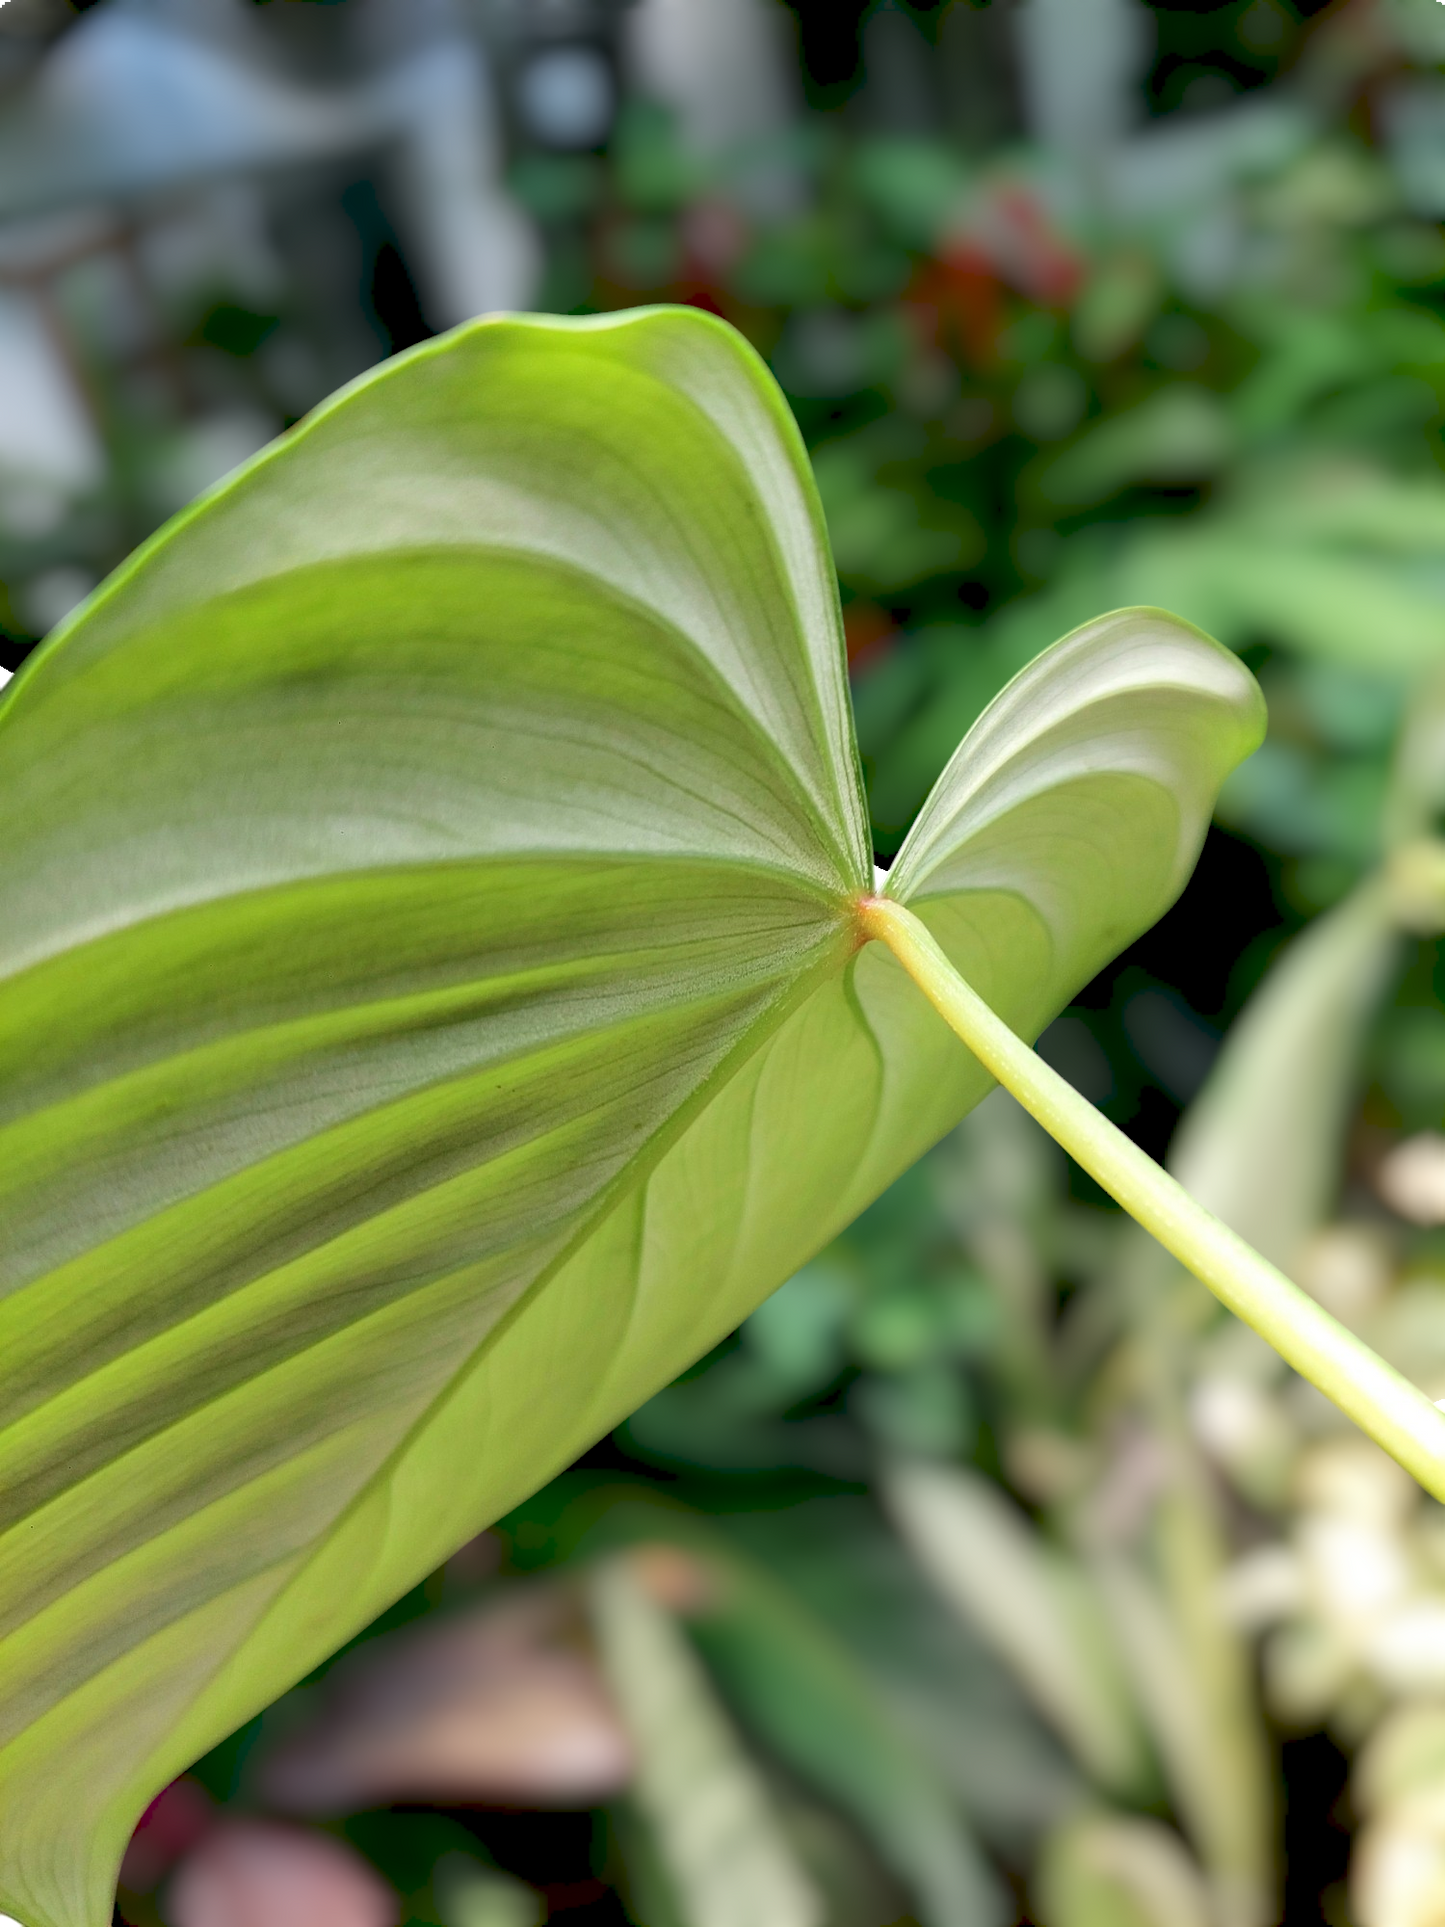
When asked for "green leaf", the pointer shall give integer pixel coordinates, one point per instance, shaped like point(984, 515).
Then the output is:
point(474, 1896)
point(1260, 1145)
point(1117, 1870)
point(727, 1861)
point(914, 186)
point(1037, 1609)
point(1179, 435)
point(797, 1686)
point(1323, 598)
point(803, 1691)
point(1199, 1708)
point(430, 1005)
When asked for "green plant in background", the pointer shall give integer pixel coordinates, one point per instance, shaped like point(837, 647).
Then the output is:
point(1007, 439)
point(441, 1002)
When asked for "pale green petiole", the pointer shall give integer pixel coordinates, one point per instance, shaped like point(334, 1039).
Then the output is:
point(1378, 1398)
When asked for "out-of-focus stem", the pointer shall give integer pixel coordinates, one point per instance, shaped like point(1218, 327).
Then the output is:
point(1380, 1400)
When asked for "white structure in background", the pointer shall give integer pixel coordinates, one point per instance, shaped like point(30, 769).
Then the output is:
point(1082, 67)
point(147, 106)
point(472, 248)
point(142, 97)
point(46, 433)
point(728, 69)
point(1081, 63)
point(723, 66)
point(566, 97)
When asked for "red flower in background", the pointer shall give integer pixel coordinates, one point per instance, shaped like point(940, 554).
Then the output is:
point(1006, 240)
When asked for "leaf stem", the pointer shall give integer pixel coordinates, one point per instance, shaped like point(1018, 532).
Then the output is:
point(1381, 1401)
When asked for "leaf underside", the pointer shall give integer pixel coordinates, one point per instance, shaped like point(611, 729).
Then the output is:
point(430, 1014)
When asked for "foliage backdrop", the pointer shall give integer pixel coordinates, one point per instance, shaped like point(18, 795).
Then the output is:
point(1146, 308)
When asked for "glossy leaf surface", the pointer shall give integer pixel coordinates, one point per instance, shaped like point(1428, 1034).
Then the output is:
point(430, 1007)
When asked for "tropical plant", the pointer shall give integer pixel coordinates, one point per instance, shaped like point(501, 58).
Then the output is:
point(446, 987)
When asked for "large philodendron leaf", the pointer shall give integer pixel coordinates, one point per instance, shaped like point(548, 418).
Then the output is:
point(430, 1009)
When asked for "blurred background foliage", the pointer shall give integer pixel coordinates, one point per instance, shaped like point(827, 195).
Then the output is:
point(989, 1573)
